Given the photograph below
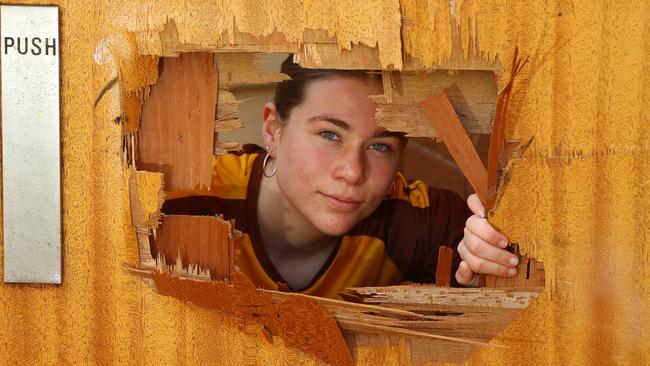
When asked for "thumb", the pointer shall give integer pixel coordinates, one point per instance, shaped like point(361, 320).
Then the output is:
point(475, 204)
point(465, 276)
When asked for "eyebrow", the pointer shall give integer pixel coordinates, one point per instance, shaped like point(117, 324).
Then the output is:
point(340, 123)
point(346, 126)
point(386, 133)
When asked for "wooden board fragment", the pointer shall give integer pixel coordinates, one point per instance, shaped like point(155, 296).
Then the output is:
point(443, 267)
point(497, 140)
point(474, 315)
point(146, 197)
point(473, 95)
point(443, 117)
point(244, 68)
point(330, 56)
point(530, 273)
point(177, 128)
point(146, 194)
point(196, 245)
point(131, 112)
point(228, 118)
point(300, 321)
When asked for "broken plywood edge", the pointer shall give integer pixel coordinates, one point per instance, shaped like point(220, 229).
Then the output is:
point(179, 269)
point(227, 123)
point(472, 314)
point(168, 42)
point(470, 56)
point(330, 56)
point(135, 70)
point(451, 333)
point(497, 140)
point(131, 111)
point(223, 147)
point(356, 321)
point(146, 196)
point(129, 141)
point(228, 117)
point(472, 93)
point(505, 298)
point(456, 62)
point(177, 127)
point(530, 274)
point(300, 322)
point(362, 326)
point(196, 246)
point(455, 322)
point(238, 69)
point(362, 57)
point(320, 48)
point(388, 85)
point(424, 24)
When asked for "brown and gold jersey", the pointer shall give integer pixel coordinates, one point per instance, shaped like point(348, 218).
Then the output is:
point(398, 242)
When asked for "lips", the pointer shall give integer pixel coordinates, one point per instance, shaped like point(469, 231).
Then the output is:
point(342, 203)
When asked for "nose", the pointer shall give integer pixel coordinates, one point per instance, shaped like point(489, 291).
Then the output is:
point(351, 167)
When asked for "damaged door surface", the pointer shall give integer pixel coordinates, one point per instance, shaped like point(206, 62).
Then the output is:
point(31, 178)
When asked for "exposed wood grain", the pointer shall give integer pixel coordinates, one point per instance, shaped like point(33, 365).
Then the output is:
point(426, 318)
point(443, 267)
point(475, 315)
point(237, 68)
point(472, 94)
point(278, 317)
point(530, 273)
point(132, 112)
point(146, 196)
point(497, 141)
point(196, 244)
point(501, 298)
point(176, 132)
point(146, 190)
point(228, 118)
point(441, 114)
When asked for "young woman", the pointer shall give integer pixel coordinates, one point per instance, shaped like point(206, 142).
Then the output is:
point(323, 207)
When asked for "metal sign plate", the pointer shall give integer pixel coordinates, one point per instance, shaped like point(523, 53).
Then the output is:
point(31, 153)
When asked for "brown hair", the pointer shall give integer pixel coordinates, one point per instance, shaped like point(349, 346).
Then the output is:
point(290, 93)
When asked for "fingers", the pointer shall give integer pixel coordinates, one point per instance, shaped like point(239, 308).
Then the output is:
point(478, 264)
point(475, 204)
point(482, 249)
point(481, 227)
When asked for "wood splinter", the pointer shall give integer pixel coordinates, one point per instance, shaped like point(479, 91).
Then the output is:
point(443, 268)
point(444, 119)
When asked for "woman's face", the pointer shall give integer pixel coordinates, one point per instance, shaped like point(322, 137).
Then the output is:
point(334, 164)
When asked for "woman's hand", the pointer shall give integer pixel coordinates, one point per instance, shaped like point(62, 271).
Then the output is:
point(482, 249)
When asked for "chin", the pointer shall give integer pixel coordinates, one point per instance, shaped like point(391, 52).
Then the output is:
point(334, 227)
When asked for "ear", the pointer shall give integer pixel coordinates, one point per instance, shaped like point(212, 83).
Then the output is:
point(271, 127)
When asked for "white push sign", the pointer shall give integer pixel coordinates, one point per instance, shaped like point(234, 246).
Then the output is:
point(31, 154)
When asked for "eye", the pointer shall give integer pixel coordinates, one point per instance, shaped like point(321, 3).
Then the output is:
point(384, 148)
point(329, 135)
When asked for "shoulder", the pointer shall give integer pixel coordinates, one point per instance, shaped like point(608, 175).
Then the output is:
point(231, 174)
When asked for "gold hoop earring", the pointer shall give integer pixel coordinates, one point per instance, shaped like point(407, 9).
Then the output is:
point(266, 160)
